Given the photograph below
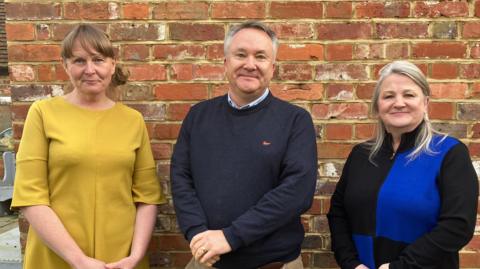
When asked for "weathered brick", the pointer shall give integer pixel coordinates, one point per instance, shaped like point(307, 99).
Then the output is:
point(439, 50)
point(31, 52)
point(161, 151)
point(475, 130)
point(338, 10)
point(135, 52)
point(135, 11)
point(180, 10)
point(208, 72)
point(471, 30)
point(151, 111)
point(42, 31)
point(337, 131)
point(396, 50)
point(382, 10)
point(337, 31)
point(136, 92)
point(328, 150)
point(19, 111)
point(364, 130)
point(181, 72)
point(60, 30)
point(446, 30)
point(444, 9)
point(238, 10)
point(475, 92)
point(300, 52)
point(365, 90)
point(25, 93)
point(475, 50)
point(20, 31)
point(339, 52)
point(292, 30)
point(199, 32)
point(295, 72)
point(178, 52)
point(468, 111)
point(296, 10)
point(477, 8)
point(177, 112)
point(137, 31)
point(341, 72)
point(441, 111)
point(470, 71)
point(146, 72)
point(444, 70)
point(32, 11)
point(339, 91)
point(291, 92)
point(90, 11)
point(401, 30)
point(215, 52)
point(369, 51)
point(46, 72)
point(181, 91)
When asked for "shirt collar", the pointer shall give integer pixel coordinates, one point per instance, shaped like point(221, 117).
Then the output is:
point(251, 104)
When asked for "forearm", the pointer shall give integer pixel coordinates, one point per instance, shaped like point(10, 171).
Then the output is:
point(51, 230)
point(144, 224)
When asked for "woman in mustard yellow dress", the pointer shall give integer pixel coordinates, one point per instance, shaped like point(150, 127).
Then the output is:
point(85, 173)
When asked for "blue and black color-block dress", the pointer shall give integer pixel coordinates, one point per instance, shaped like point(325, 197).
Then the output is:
point(410, 213)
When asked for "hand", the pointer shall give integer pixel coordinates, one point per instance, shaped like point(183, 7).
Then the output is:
point(208, 246)
point(384, 266)
point(89, 263)
point(361, 266)
point(125, 263)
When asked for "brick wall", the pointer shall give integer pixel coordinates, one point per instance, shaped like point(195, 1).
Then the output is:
point(329, 56)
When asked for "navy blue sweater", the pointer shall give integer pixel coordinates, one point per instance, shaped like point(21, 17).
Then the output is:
point(413, 214)
point(249, 172)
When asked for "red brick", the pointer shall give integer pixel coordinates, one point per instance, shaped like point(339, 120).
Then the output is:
point(296, 10)
point(339, 52)
point(165, 131)
point(475, 50)
point(145, 72)
point(396, 50)
point(471, 30)
point(364, 130)
point(369, 51)
point(32, 52)
point(300, 52)
point(135, 11)
point(341, 72)
point(90, 11)
point(445, 9)
point(337, 31)
point(474, 149)
point(60, 73)
point(327, 150)
point(477, 8)
point(476, 130)
point(338, 10)
point(215, 52)
point(59, 31)
point(469, 260)
point(181, 71)
point(20, 31)
point(162, 152)
point(21, 72)
point(475, 93)
point(208, 72)
point(177, 112)
point(238, 10)
point(444, 70)
point(135, 52)
point(338, 131)
point(291, 92)
point(439, 50)
point(319, 111)
point(220, 89)
point(17, 134)
point(295, 72)
point(19, 111)
point(383, 10)
point(137, 31)
point(175, 92)
point(470, 71)
point(46, 72)
point(178, 52)
point(135, 92)
point(348, 111)
point(401, 30)
point(441, 111)
point(180, 11)
point(32, 11)
point(199, 32)
point(340, 91)
point(292, 30)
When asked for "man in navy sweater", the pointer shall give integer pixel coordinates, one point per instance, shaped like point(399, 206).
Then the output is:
point(245, 164)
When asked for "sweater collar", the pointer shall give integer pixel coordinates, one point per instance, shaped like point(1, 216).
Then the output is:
point(407, 140)
point(250, 109)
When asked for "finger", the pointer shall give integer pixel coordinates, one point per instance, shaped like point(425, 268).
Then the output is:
point(196, 246)
point(200, 252)
point(195, 239)
point(111, 265)
point(207, 256)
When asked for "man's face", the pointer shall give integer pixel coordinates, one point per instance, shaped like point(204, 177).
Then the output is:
point(249, 65)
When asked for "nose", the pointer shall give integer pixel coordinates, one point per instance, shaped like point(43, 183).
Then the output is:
point(399, 102)
point(89, 67)
point(250, 63)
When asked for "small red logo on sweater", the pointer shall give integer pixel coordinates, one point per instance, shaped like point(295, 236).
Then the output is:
point(266, 143)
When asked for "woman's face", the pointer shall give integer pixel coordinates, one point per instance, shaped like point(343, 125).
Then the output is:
point(90, 72)
point(401, 104)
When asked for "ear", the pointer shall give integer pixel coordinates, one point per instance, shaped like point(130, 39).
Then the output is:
point(426, 101)
point(114, 65)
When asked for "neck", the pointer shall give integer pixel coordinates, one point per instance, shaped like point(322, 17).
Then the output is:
point(91, 101)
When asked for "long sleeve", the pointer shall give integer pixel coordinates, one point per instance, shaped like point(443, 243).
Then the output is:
point(458, 186)
point(290, 198)
point(188, 208)
point(341, 236)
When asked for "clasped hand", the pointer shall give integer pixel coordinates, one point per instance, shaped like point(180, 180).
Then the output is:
point(207, 247)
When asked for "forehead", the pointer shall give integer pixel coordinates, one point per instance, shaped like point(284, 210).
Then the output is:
point(251, 39)
point(399, 82)
point(83, 48)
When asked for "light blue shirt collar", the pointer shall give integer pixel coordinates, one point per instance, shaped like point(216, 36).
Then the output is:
point(251, 104)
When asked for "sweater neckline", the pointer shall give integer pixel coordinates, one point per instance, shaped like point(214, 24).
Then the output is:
point(248, 110)
point(407, 140)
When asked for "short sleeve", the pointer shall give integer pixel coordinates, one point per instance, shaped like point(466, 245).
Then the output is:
point(146, 188)
point(31, 182)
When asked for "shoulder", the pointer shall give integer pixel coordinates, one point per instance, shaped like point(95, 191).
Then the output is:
point(127, 112)
point(287, 107)
point(445, 143)
point(208, 104)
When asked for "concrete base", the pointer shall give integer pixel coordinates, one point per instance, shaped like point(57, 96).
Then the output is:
point(10, 249)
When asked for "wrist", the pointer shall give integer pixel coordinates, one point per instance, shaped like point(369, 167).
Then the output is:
point(76, 260)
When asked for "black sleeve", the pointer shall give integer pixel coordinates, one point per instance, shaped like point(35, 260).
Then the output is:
point(458, 186)
point(189, 212)
point(292, 197)
point(342, 244)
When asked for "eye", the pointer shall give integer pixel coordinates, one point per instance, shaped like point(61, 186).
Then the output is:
point(387, 96)
point(261, 56)
point(78, 61)
point(409, 95)
point(240, 55)
point(98, 60)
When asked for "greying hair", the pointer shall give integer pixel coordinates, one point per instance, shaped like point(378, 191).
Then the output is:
point(250, 25)
point(426, 132)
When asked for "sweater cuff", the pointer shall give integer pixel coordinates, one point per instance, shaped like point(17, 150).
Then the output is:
point(352, 264)
point(233, 240)
point(194, 231)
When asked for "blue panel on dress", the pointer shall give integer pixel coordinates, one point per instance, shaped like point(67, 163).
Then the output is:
point(408, 202)
point(364, 245)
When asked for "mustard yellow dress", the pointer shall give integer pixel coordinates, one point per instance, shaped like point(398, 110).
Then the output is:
point(90, 167)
